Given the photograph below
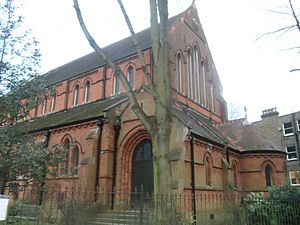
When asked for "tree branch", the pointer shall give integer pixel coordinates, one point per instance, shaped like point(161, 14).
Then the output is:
point(130, 93)
point(295, 70)
point(136, 45)
point(283, 29)
point(294, 15)
point(155, 35)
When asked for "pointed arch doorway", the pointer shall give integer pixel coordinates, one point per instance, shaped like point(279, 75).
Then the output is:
point(142, 169)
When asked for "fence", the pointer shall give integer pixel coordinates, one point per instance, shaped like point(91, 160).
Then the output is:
point(76, 206)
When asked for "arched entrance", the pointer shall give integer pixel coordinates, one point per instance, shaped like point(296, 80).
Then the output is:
point(142, 168)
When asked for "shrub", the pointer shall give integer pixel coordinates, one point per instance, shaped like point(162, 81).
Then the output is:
point(76, 212)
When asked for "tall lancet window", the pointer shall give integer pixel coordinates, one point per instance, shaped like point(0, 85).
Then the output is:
point(190, 73)
point(76, 95)
point(203, 83)
point(179, 72)
point(87, 88)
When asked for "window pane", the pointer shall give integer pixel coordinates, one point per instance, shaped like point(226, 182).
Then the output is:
point(76, 94)
point(288, 128)
point(291, 149)
point(268, 174)
point(287, 125)
point(130, 76)
point(53, 103)
point(179, 73)
point(294, 177)
point(292, 156)
point(87, 91)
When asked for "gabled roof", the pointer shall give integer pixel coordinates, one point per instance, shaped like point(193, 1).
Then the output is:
point(247, 137)
point(198, 124)
point(79, 114)
point(117, 51)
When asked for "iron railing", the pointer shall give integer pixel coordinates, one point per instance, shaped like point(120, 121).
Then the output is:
point(70, 206)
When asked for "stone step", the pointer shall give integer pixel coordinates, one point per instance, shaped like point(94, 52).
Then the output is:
point(121, 217)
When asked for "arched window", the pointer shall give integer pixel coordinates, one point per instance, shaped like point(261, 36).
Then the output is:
point(190, 73)
point(75, 161)
point(44, 106)
point(130, 76)
point(53, 103)
point(268, 175)
point(117, 85)
point(76, 95)
point(87, 88)
point(208, 166)
point(179, 72)
point(65, 157)
point(196, 74)
point(203, 83)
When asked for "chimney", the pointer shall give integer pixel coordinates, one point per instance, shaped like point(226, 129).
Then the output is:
point(269, 113)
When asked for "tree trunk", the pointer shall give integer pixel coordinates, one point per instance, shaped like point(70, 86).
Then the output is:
point(161, 164)
point(2, 186)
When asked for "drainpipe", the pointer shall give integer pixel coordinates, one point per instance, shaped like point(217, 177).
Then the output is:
point(67, 95)
point(227, 152)
point(98, 149)
point(193, 178)
point(117, 128)
point(104, 83)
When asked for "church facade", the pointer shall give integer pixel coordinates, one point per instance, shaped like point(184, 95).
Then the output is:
point(105, 147)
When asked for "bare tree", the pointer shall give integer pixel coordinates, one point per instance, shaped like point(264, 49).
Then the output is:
point(158, 125)
point(293, 13)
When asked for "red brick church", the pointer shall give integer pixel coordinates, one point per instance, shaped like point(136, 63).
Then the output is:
point(106, 147)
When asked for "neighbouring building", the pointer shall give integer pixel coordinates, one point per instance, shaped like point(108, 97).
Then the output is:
point(284, 131)
point(106, 147)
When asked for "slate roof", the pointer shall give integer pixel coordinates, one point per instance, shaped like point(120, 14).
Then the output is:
point(246, 137)
point(79, 114)
point(117, 51)
point(237, 135)
point(198, 124)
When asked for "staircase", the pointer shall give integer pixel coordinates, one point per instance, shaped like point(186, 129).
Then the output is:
point(121, 217)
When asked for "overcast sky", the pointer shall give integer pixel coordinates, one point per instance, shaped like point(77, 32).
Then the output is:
point(253, 73)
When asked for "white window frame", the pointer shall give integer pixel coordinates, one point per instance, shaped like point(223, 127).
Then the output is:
point(298, 124)
point(287, 156)
point(284, 129)
point(294, 184)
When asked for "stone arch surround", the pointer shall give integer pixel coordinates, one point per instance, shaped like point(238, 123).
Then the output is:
point(126, 151)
